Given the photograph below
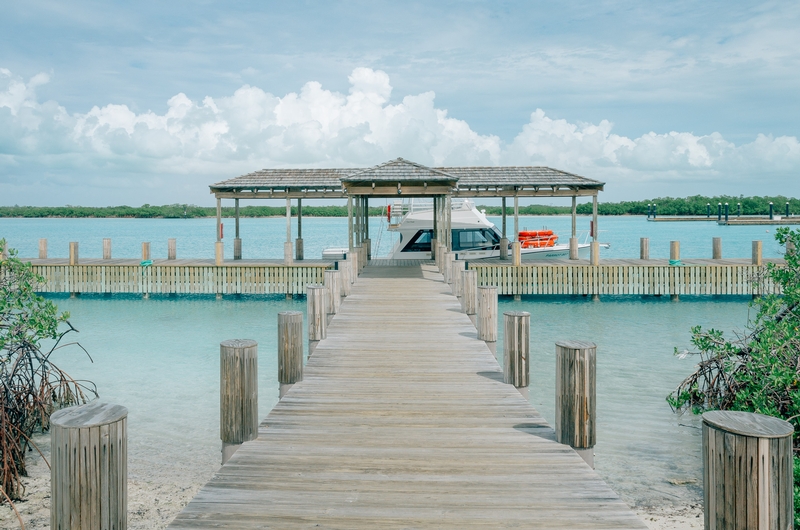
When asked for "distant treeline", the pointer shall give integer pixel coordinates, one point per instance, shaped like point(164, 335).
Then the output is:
point(696, 205)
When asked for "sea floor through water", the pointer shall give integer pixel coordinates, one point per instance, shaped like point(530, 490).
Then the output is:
point(160, 358)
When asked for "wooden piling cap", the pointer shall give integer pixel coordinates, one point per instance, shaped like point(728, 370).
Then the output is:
point(576, 345)
point(516, 313)
point(748, 424)
point(487, 287)
point(238, 343)
point(89, 415)
point(290, 313)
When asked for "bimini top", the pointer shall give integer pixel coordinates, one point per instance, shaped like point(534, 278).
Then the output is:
point(404, 177)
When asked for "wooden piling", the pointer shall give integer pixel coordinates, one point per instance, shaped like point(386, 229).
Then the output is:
point(747, 471)
point(4, 251)
point(674, 250)
point(504, 248)
point(573, 248)
point(238, 394)
point(287, 253)
point(237, 248)
point(42, 249)
point(298, 249)
point(333, 294)
point(290, 350)
point(344, 277)
point(354, 265)
point(317, 318)
point(145, 251)
point(716, 250)
point(447, 269)
point(106, 248)
point(73, 253)
point(595, 253)
point(516, 254)
point(455, 273)
point(487, 313)
point(757, 259)
point(434, 244)
point(576, 376)
point(89, 467)
point(172, 249)
point(219, 253)
point(470, 287)
point(516, 349)
point(644, 248)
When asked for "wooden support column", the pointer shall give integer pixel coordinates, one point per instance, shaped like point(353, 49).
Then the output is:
point(504, 239)
point(516, 216)
point(298, 243)
point(747, 471)
point(576, 375)
point(516, 349)
point(435, 239)
point(674, 258)
point(172, 249)
point(145, 251)
point(516, 253)
point(573, 240)
point(219, 249)
point(315, 312)
point(290, 350)
point(237, 240)
point(350, 242)
point(716, 248)
point(288, 259)
point(238, 394)
point(644, 248)
point(42, 249)
point(503, 213)
point(595, 231)
point(106, 248)
point(470, 286)
point(89, 492)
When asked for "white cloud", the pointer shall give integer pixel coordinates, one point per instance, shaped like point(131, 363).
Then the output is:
point(217, 138)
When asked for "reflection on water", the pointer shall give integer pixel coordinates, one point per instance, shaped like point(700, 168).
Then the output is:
point(160, 358)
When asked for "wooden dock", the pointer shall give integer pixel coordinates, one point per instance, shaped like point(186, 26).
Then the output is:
point(628, 277)
point(403, 421)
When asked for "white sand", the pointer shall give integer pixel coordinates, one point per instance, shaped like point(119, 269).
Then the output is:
point(153, 501)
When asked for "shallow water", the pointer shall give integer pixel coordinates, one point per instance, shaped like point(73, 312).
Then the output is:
point(160, 358)
point(263, 238)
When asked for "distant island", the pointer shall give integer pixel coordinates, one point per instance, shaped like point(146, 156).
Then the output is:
point(695, 206)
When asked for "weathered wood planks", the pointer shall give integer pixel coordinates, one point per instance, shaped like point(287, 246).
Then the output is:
point(402, 421)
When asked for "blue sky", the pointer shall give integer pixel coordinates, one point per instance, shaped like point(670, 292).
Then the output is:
point(119, 103)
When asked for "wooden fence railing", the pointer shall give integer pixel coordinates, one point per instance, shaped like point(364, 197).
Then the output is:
point(626, 279)
point(179, 279)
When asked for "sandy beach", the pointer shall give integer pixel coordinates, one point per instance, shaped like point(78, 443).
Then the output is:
point(154, 500)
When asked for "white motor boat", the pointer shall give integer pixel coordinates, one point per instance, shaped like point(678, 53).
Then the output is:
point(474, 236)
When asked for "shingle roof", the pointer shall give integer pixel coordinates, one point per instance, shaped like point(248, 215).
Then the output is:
point(399, 170)
point(528, 176)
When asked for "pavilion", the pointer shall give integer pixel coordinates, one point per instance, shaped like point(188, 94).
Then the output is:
point(400, 178)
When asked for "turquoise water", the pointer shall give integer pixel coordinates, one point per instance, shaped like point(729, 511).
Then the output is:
point(641, 443)
point(263, 238)
point(159, 357)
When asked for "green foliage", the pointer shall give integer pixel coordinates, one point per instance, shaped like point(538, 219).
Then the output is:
point(31, 386)
point(759, 372)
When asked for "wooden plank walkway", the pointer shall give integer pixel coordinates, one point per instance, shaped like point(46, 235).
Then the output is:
point(403, 421)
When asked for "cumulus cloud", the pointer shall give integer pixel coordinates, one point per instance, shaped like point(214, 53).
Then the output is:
point(225, 136)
